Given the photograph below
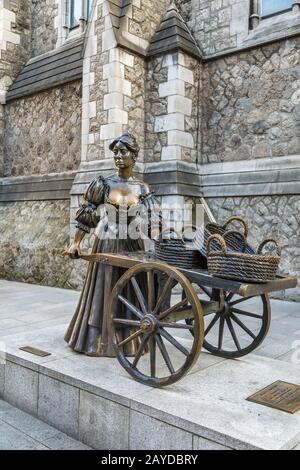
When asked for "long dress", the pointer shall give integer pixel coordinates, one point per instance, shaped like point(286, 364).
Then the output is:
point(88, 331)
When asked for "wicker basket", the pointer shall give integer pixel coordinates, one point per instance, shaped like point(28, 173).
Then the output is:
point(177, 251)
point(234, 242)
point(258, 268)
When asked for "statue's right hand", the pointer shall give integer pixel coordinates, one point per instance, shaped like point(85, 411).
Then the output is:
point(74, 251)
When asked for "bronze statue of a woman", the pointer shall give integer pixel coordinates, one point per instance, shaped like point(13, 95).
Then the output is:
point(88, 331)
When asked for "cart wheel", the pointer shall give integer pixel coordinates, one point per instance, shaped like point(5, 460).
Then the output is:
point(158, 324)
point(239, 328)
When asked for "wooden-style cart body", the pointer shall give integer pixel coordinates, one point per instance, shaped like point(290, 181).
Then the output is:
point(228, 318)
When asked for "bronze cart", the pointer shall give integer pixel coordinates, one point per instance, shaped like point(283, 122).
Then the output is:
point(211, 312)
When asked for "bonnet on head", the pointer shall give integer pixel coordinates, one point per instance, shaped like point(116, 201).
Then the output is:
point(129, 140)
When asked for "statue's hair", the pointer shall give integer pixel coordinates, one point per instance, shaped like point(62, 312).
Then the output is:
point(129, 140)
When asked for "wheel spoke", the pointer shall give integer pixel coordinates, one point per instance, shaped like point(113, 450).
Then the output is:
point(140, 350)
point(243, 299)
point(162, 295)
point(248, 314)
point(229, 296)
point(130, 338)
point(221, 332)
point(181, 326)
point(125, 321)
point(244, 327)
point(164, 353)
point(131, 307)
point(233, 333)
point(173, 309)
point(139, 295)
point(151, 290)
point(174, 342)
point(212, 323)
point(152, 345)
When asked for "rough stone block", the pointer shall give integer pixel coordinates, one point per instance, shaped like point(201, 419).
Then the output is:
point(103, 424)
point(180, 104)
point(108, 40)
point(172, 87)
point(171, 152)
point(183, 139)
point(181, 73)
point(21, 387)
point(92, 109)
point(58, 405)
point(114, 69)
point(113, 100)
point(110, 131)
point(121, 56)
point(149, 433)
point(169, 122)
point(119, 85)
point(118, 115)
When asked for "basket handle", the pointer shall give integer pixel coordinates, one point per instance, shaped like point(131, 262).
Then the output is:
point(238, 219)
point(239, 234)
point(265, 242)
point(218, 238)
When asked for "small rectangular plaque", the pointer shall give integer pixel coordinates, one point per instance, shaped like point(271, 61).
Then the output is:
point(35, 351)
point(279, 395)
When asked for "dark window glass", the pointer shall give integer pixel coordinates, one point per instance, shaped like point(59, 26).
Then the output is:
point(270, 7)
point(75, 12)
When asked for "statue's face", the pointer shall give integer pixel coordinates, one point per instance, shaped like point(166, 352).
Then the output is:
point(124, 158)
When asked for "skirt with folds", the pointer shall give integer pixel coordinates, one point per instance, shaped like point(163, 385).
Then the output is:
point(89, 331)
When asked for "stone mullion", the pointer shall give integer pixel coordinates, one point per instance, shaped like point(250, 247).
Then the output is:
point(255, 13)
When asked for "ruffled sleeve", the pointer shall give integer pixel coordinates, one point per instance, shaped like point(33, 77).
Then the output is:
point(155, 220)
point(86, 216)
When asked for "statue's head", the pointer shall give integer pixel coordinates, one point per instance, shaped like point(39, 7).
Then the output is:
point(125, 149)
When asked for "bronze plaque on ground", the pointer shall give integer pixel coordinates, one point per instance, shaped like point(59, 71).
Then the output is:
point(279, 395)
point(35, 351)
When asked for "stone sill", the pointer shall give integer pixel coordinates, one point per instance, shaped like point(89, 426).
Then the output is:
point(55, 186)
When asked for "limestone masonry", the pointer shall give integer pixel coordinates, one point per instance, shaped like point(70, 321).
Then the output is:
point(211, 88)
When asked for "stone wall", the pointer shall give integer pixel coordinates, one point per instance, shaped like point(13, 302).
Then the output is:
point(157, 74)
point(268, 216)
point(33, 237)
point(145, 17)
point(217, 25)
point(2, 127)
point(15, 41)
point(43, 132)
point(113, 90)
point(251, 104)
point(172, 108)
point(44, 30)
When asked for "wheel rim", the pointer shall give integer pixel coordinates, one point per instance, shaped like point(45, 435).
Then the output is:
point(155, 324)
point(239, 327)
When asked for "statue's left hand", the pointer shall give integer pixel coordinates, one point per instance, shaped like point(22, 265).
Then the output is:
point(74, 251)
